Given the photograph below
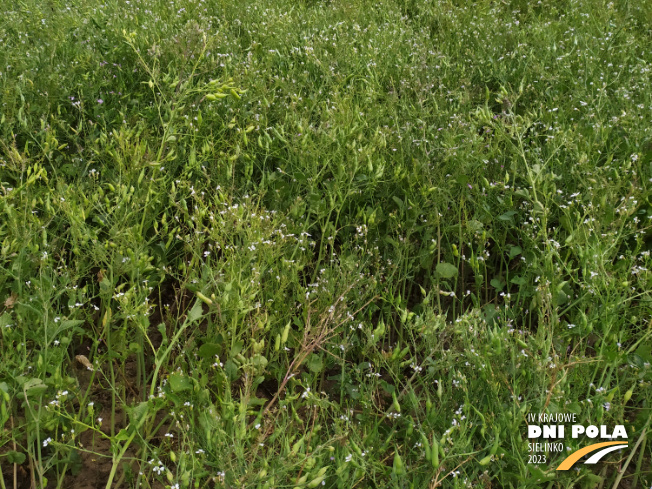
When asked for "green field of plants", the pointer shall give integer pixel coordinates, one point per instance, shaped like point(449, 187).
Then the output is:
point(312, 243)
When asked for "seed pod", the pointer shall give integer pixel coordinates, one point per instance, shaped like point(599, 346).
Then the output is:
point(628, 395)
point(356, 448)
point(379, 331)
point(440, 389)
point(426, 446)
point(277, 342)
point(398, 468)
point(286, 332)
point(204, 298)
point(485, 460)
point(316, 481)
point(495, 446)
point(395, 404)
point(297, 446)
point(435, 453)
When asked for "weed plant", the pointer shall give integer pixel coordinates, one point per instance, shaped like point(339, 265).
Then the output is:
point(275, 243)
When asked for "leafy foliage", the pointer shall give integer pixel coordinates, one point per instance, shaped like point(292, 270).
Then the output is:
point(272, 243)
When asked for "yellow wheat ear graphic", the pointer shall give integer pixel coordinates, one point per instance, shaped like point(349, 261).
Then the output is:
point(575, 456)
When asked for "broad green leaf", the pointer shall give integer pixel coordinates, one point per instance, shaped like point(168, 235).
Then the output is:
point(196, 312)
point(446, 270)
point(14, 457)
point(179, 382)
point(514, 251)
point(507, 216)
point(315, 364)
point(209, 350)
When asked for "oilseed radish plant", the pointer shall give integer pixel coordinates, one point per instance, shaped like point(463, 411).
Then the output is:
point(272, 243)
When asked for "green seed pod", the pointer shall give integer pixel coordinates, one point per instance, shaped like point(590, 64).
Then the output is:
point(395, 404)
point(277, 342)
point(440, 389)
point(397, 467)
point(435, 453)
point(185, 479)
point(286, 332)
point(297, 446)
point(310, 463)
point(485, 460)
point(379, 331)
point(356, 448)
point(628, 395)
point(316, 481)
point(426, 447)
point(495, 446)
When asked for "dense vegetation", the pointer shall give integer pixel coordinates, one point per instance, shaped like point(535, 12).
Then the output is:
point(281, 243)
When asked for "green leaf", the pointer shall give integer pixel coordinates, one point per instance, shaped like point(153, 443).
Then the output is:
point(231, 370)
point(446, 270)
point(497, 284)
point(237, 348)
point(315, 363)
point(196, 312)
point(259, 361)
point(35, 387)
point(179, 382)
point(122, 435)
point(518, 280)
point(507, 216)
point(14, 457)
point(137, 412)
point(209, 350)
point(514, 251)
